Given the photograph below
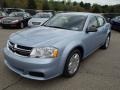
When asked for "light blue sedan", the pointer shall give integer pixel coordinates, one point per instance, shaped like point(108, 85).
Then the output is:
point(57, 47)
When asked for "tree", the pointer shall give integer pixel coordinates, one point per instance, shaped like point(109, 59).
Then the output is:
point(4, 4)
point(96, 8)
point(45, 5)
point(74, 3)
point(1, 3)
point(10, 3)
point(105, 9)
point(60, 5)
point(111, 9)
point(81, 4)
point(51, 4)
point(31, 4)
point(87, 5)
point(39, 4)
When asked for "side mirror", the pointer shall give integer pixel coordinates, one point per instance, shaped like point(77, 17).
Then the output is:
point(91, 29)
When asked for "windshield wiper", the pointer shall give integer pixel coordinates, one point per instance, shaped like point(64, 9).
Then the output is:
point(55, 27)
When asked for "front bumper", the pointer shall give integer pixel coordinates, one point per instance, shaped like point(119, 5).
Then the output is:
point(10, 25)
point(32, 68)
point(32, 25)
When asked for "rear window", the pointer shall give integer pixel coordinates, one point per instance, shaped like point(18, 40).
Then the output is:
point(42, 15)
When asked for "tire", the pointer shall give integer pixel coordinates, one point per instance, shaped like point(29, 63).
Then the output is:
point(3, 27)
point(107, 42)
point(68, 71)
point(21, 25)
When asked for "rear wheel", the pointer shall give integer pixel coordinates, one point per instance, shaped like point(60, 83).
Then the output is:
point(72, 63)
point(107, 42)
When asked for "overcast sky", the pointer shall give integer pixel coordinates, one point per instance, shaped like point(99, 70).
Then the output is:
point(101, 2)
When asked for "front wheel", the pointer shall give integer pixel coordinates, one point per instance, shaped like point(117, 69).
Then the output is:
point(107, 42)
point(72, 63)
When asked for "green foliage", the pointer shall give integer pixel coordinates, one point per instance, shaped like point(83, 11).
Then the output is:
point(15, 3)
point(4, 4)
point(96, 8)
point(45, 5)
point(31, 4)
point(81, 4)
point(75, 3)
point(51, 4)
point(60, 5)
point(87, 6)
point(39, 4)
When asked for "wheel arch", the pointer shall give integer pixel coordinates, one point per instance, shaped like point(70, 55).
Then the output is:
point(67, 51)
point(79, 47)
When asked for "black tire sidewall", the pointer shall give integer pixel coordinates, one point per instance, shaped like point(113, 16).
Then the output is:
point(106, 41)
point(104, 46)
point(66, 72)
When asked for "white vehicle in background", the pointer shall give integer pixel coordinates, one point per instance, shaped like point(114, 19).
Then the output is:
point(39, 19)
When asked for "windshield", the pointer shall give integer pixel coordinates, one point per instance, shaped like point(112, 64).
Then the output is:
point(42, 15)
point(67, 21)
point(16, 14)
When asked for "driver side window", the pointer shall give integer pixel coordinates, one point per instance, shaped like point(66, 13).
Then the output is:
point(93, 22)
point(101, 21)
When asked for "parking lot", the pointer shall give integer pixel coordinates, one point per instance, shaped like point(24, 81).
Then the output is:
point(100, 71)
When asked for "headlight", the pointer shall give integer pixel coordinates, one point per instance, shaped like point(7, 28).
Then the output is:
point(15, 21)
point(46, 52)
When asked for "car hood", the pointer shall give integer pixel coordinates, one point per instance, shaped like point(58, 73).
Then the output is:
point(12, 18)
point(41, 36)
point(42, 20)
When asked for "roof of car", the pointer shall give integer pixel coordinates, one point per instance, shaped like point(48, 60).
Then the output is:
point(81, 13)
point(18, 12)
point(44, 13)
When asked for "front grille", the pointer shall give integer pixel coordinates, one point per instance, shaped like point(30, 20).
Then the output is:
point(36, 23)
point(36, 74)
point(19, 49)
point(6, 21)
